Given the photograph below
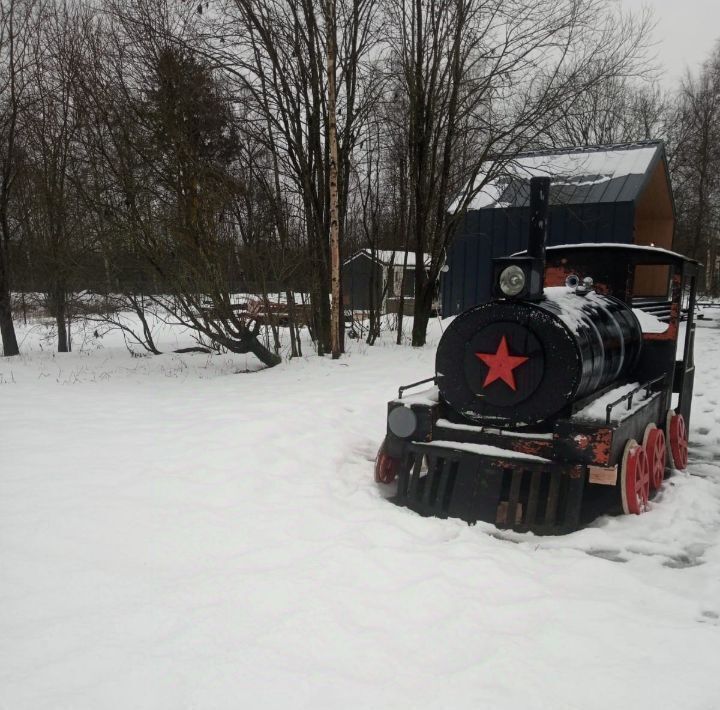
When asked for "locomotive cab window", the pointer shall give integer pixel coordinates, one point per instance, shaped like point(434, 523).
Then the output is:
point(651, 297)
point(651, 281)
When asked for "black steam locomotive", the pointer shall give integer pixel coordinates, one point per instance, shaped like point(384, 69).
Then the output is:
point(565, 397)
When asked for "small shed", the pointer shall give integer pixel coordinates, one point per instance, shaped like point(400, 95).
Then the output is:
point(375, 280)
point(615, 194)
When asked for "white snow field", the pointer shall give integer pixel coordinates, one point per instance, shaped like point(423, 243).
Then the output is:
point(176, 534)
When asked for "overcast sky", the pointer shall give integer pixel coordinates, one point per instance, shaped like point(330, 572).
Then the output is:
point(686, 32)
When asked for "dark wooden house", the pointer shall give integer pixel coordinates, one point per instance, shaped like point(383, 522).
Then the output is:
point(618, 194)
point(375, 282)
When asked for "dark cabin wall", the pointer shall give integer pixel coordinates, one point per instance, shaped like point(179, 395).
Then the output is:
point(488, 233)
point(356, 283)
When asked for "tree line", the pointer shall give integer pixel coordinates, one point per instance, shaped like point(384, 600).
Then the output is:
point(167, 154)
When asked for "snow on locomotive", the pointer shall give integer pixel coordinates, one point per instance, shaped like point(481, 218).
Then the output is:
point(565, 397)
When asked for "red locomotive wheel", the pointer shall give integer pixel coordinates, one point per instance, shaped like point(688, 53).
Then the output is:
point(386, 467)
point(654, 445)
point(678, 438)
point(634, 478)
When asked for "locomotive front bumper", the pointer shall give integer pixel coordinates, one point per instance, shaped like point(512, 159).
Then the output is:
point(526, 493)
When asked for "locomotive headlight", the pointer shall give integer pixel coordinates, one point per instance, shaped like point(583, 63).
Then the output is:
point(512, 280)
point(402, 422)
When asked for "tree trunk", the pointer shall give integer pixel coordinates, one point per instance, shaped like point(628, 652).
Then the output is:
point(401, 301)
point(423, 307)
point(266, 357)
point(335, 310)
point(7, 328)
point(290, 298)
point(60, 320)
point(373, 307)
point(406, 245)
point(139, 308)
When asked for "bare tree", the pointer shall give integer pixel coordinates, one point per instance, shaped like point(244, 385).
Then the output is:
point(334, 217)
point(54, 220)
point(612, 111)
point(276, 50)
point(18, 47)
point(168, 144)
point(482, 79)
point(695, 168)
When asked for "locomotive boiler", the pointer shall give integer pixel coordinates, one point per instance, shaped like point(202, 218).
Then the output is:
point(564, 397)
point(519, 363)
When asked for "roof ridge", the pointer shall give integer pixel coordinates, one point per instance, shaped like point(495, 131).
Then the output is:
point(630, 145)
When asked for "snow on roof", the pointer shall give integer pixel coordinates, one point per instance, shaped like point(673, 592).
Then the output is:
point(646, 248)
point(388, 257)
point(579, 175)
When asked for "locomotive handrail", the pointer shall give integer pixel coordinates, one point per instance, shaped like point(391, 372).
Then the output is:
point(405, 388)
point(647, 386)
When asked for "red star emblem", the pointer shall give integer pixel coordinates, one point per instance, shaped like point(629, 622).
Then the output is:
point(501, 365)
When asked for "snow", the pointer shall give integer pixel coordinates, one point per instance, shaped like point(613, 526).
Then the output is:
point(388, 257)
point(616, 245)
point(484, 450)
point(447, 424)
point(573, 315)
point(577, 167)
point(597, 409)
point(648, 322)
point(428, 397)
point(573, 306)
point(176, 532)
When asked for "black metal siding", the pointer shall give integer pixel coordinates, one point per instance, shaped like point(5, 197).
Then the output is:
point(494, 232)
point(356, 282)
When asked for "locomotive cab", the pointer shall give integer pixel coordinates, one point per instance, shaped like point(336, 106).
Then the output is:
point(566, 396)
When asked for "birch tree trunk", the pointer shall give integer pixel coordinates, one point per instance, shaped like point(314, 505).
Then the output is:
point(335, 307)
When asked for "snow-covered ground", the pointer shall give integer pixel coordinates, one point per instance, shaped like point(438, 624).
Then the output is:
point(176, 532)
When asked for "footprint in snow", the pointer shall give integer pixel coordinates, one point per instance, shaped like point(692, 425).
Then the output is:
point(686, 559)
point(709, 617)
point(610, 555)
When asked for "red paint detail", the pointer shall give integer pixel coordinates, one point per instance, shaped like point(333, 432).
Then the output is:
point(556, 275)
point(669, 334)
point(536, 447)
point(654, 444)
point(677, 434)
point(533, 447)
point(601, 446)
point(636, 479)
point(501, 365)
point(386, 466)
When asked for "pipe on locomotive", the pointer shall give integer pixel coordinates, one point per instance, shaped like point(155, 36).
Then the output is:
point(522, 277)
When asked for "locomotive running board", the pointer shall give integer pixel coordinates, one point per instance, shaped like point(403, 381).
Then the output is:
point(523, 494)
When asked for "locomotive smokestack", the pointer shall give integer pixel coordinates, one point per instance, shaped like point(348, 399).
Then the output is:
point(539, 201)
point(523, 276)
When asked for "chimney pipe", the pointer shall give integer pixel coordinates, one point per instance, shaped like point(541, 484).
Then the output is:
point(523, 276)
point(539, 201)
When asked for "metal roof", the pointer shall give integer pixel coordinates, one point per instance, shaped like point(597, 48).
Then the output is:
point(627, 253)
point(388, 257)
point(589, 175)
point(630, 253)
